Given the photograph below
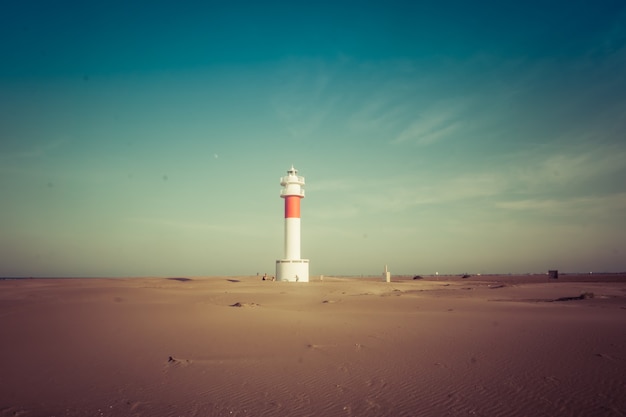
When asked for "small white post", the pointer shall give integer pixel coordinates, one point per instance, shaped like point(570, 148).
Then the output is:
point(387, 275)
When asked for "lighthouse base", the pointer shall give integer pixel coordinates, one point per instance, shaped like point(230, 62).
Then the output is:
point(293, 270)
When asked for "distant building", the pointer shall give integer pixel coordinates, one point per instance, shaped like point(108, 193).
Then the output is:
point(292, 267)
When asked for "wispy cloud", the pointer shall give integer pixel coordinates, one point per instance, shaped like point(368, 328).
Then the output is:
point(544, 178)
point(199, 228)
point(429, 131)
point(587, 205)
point(434, 124)
point(380, 112)
point(399, 193)
point(36, 150)
point(557, 168)
point(304, 99)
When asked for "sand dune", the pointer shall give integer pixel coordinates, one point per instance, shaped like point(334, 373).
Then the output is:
point(239, 346)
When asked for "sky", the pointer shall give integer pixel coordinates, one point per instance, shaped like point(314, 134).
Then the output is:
point(148, 138)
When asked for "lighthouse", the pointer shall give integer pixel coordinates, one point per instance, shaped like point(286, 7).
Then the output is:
point(291, 267)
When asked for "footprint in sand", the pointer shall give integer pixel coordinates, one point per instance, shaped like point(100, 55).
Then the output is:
point(605, 356)
point(320, 348)
point(173, 362)
point(13, 412)
point(551, 379)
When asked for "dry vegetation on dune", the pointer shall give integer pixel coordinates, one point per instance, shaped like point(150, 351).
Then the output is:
point(239, 346)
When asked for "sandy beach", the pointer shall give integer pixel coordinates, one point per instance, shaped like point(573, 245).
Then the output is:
point(240, 346)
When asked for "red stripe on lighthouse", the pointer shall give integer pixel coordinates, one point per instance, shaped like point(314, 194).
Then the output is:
point(292, 206)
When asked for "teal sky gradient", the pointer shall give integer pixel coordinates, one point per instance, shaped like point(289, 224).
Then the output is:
point(449, 137)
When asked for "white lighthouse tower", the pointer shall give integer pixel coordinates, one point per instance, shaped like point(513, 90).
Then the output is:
point(292, 268)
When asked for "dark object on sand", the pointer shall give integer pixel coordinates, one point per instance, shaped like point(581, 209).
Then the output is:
point(238, 304)
point(583, 296)
point(553, 274)
point(465, 276)
point(417, 277)
point(180, 279)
